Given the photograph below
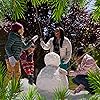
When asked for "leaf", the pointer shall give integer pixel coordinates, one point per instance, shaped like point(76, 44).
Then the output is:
point(94, 80)
point(36, 3)
point(58, 7)
point(96, 11)
point(13, 8)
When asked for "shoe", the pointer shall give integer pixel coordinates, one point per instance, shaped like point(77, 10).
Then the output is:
point(30, 79)
point(79, 88)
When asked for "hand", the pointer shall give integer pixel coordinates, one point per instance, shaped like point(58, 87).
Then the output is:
point(62, 71)
point(72, 73)
point(34, 38)
point(12, 61)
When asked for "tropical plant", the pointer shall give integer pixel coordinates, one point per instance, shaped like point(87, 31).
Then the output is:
point(11, 90)
point(12, 8)
point(94, 80)
point(32, 94)
point(15, 9)
point(95, 97)
point(60, 93)
point(96, 12)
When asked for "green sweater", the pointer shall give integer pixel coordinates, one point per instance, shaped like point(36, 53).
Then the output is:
point(15, 45)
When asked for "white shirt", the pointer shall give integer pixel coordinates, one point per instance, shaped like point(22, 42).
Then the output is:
point(65, 51)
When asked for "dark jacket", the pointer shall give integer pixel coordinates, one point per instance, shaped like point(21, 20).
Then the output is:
point(15, 45)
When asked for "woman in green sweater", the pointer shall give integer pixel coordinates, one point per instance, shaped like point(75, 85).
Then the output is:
point(13, 48)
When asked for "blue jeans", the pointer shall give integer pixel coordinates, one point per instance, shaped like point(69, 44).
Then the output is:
point(82, 79)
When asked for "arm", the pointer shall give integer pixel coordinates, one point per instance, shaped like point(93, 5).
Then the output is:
point(29, 43)
point(62, 71)
point(10, 42)
point(26, 45)
point(46, 46)
point(68, 51)
point(88, 65)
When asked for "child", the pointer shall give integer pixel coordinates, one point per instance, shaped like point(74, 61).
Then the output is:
point(85, 63)
point(27, 63)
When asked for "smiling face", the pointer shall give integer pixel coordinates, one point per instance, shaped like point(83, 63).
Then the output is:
point(21, 31)
point(57, 33)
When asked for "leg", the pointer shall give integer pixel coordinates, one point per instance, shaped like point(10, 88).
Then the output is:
point(31, 75)
point(17, 71)
point(82, 81)
point(9, 73)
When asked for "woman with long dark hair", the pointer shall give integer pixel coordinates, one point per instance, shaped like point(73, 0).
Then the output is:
point(60, 45)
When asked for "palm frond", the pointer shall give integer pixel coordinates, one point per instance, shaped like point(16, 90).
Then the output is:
point(32, 94)
point(94, 80)
point(13, 89)
point(82, 3)
point(44, 1)
point(19, 7)
point(15, 9)
point(36, 3)
point(60, 93)
point(95, 97)
point(96, 11)
point(2, 75)
point(96, 14)
point(59, 7)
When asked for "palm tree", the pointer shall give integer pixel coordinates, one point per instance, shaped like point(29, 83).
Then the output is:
point(15, 9)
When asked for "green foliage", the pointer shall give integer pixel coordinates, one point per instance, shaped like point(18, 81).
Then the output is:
point(12, 8)
point(2, 74)
point(94, 80)
point(32, 94)
point(96, 55)
point(60, 93)
point(95, 97)
point(96, 12)
point(11, 90)
point(82, 3)
point(36, 3)
point(59, 8)
point(15, 9)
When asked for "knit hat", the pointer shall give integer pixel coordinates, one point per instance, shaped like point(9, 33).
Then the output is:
point(16, 26)
point(52, 58)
